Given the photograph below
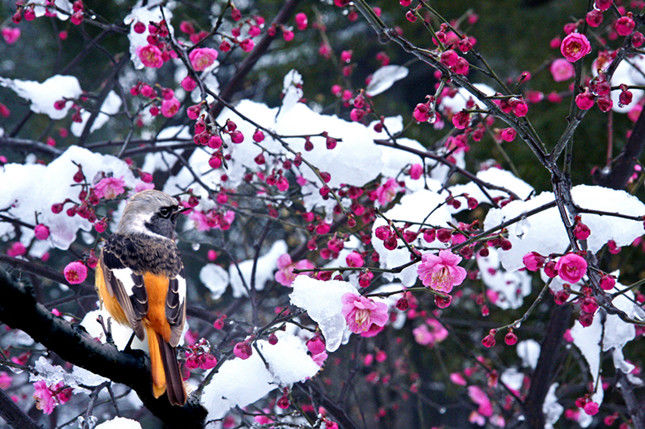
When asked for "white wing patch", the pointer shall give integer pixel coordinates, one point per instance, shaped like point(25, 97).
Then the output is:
point(124, 275)
point(181, 289)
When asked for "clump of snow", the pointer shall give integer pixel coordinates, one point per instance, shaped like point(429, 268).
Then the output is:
point(421, 206)
point(608, 332)
point(551, 408)
point(356, 159)
point(163, 160)
point(587, 339)
point(544, 232)
point(263, 273)
point(494, 176)
point(54, 374)
point(384, 78)
point(119, 423)
point(291, 89)
point(43, 95)
point(62, 8)
point(110, 106)
point(511, 286)
point(33, 188)
point(529, 352)
point(458, 102)
point(120, 333)
point(242, 382)
point(513, 378)
point(215, 278)
point(322, 302)
point(151, 12)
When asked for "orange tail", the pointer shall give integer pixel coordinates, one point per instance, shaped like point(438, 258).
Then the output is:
point(165, 369)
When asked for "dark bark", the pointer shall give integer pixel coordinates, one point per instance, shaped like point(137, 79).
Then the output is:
point(13, 415)
point(623, 165)
point(550, 358)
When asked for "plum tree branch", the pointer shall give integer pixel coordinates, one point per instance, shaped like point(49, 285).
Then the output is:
point(20, 310)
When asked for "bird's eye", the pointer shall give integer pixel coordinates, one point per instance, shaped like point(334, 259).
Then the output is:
point(165, 212)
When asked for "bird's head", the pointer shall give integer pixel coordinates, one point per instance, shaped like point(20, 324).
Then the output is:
point(152, 213)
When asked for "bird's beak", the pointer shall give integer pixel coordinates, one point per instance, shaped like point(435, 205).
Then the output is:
point(182, 209)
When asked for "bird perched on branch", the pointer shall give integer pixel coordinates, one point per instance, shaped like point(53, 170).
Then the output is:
point(140, 280)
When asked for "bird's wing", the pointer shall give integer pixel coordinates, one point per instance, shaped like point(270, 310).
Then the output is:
point(176, 307)
point(125, 285)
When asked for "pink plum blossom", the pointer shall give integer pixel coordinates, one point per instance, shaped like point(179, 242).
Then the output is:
point(430, 333)
point(354, 259)
point(188, 83)
point(109, 187)
point(571, 267)
point(41, 232)
point(387, 191)
point(457, 379)
point(575, 46)
point(5, 380)
point(48, 397)
point(441, 272)
point(363, 315)
point(16, 249)
point(561, 70)
point(242, 350)
point(416, 170)
point(44, 399)
point(10, 35)
point(533, 261)
point(320, 358)
point(285, 275)
point(75, 272)
point(169, 108)
point(150, 56)
point(478, 396)
point(202, 58)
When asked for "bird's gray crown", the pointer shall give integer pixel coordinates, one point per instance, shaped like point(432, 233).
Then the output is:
point(144, 208)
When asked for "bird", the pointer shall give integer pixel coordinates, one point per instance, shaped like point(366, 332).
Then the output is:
point(141, 282)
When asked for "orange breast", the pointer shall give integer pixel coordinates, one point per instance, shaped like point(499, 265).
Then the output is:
point(157, 289)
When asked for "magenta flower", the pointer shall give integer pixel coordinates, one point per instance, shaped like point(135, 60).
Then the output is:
point(533, 261)
point(169, 108)
point(5, 380)
point(109, 187)
point(561, 70)
point(457, 379)
point(75, 272)
point(387, 191)
point(150, 56)
point(416, 170)
point(242, 350)
point(202, 58)
point(571, 267)
point(478, 396)
point(10, 35)
point(441, 272)
point(16, 249)
point(47, 398)
point(285, 275)
point(41, 232)
point(575, 46)
point(363, 315)
point(320, 358)
point(430, 334)
point(355, 259)
point(44, 399)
